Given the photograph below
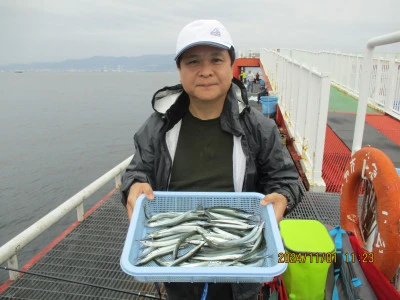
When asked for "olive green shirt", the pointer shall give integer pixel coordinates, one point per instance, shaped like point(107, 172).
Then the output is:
point(203, 158)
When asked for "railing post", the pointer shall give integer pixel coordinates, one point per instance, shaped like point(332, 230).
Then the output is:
point(295, 104)
point(303, 110)
point(378, 81)
point(13, 263)
point(118, 181)
point(358, 70)
point(341, 67)
point(334, 67)
point(349, 63)
point(276, 74)
point(391, 89)
point(318, 155)
point(80, 212)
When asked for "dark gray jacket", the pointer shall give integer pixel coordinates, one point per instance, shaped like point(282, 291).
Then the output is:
point(259, 164)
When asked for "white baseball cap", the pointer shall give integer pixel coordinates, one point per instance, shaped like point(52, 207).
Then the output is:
point(203, 32)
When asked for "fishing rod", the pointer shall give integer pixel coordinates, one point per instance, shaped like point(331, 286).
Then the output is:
point(87, 284)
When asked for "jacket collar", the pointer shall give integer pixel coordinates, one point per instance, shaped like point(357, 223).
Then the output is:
point(173, 103)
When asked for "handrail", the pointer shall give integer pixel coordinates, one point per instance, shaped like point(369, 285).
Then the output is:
point(303, 101)
point(10, 250)
point(365, 77)
point(345, 70)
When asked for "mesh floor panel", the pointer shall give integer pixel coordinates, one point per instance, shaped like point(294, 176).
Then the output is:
point(324, 207)
point(91, 253)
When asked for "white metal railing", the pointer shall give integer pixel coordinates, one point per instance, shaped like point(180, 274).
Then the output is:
point(248, 54)
point(303, 98)
point(365, 80)
point(345, 72)
point(9, 251)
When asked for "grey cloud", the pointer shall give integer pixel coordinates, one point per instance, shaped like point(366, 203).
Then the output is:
point(46, 30)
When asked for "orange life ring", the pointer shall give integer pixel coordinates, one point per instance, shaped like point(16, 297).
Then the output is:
point(376, 166)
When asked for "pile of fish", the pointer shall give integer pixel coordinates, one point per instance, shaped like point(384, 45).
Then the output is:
point(217, 236)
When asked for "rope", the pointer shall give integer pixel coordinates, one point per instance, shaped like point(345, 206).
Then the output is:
point(205, 291)
point(82, 283)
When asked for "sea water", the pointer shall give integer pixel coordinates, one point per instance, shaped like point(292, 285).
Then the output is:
point(59, 131)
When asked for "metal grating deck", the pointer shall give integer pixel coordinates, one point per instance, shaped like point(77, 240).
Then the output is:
point(91, 254)
point(88, 254)
point(324, 207)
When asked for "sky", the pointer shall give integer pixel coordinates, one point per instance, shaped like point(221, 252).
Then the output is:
point(56, 30)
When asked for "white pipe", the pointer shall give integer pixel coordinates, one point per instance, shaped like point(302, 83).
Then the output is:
point(362, 101)
point(364, 84)
point(15, 245)
point(385, 39)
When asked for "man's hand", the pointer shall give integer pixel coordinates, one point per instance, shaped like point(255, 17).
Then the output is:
point(135, 191)
point(279, 203)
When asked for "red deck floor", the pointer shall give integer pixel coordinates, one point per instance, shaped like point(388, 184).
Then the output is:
point(336, 156)
point(387, 125)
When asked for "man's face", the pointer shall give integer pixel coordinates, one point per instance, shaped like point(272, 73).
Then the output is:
point(206, 73)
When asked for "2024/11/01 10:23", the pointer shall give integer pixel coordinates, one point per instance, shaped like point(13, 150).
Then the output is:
point(291, 257)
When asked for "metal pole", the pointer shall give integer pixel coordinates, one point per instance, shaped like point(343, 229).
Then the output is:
point(364, 85)
point(362, 101)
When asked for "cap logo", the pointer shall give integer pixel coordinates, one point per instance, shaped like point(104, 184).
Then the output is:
point(215, 32)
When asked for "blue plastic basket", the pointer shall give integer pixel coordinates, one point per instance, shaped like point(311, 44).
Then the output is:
point(183, 201)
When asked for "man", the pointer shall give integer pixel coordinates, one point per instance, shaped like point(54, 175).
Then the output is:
point(250, 83)
point(262, 83)
point(204, 136)
point(263, 92)
point(243, 76)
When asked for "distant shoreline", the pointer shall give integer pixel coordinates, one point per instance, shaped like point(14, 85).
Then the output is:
point(144, 63)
